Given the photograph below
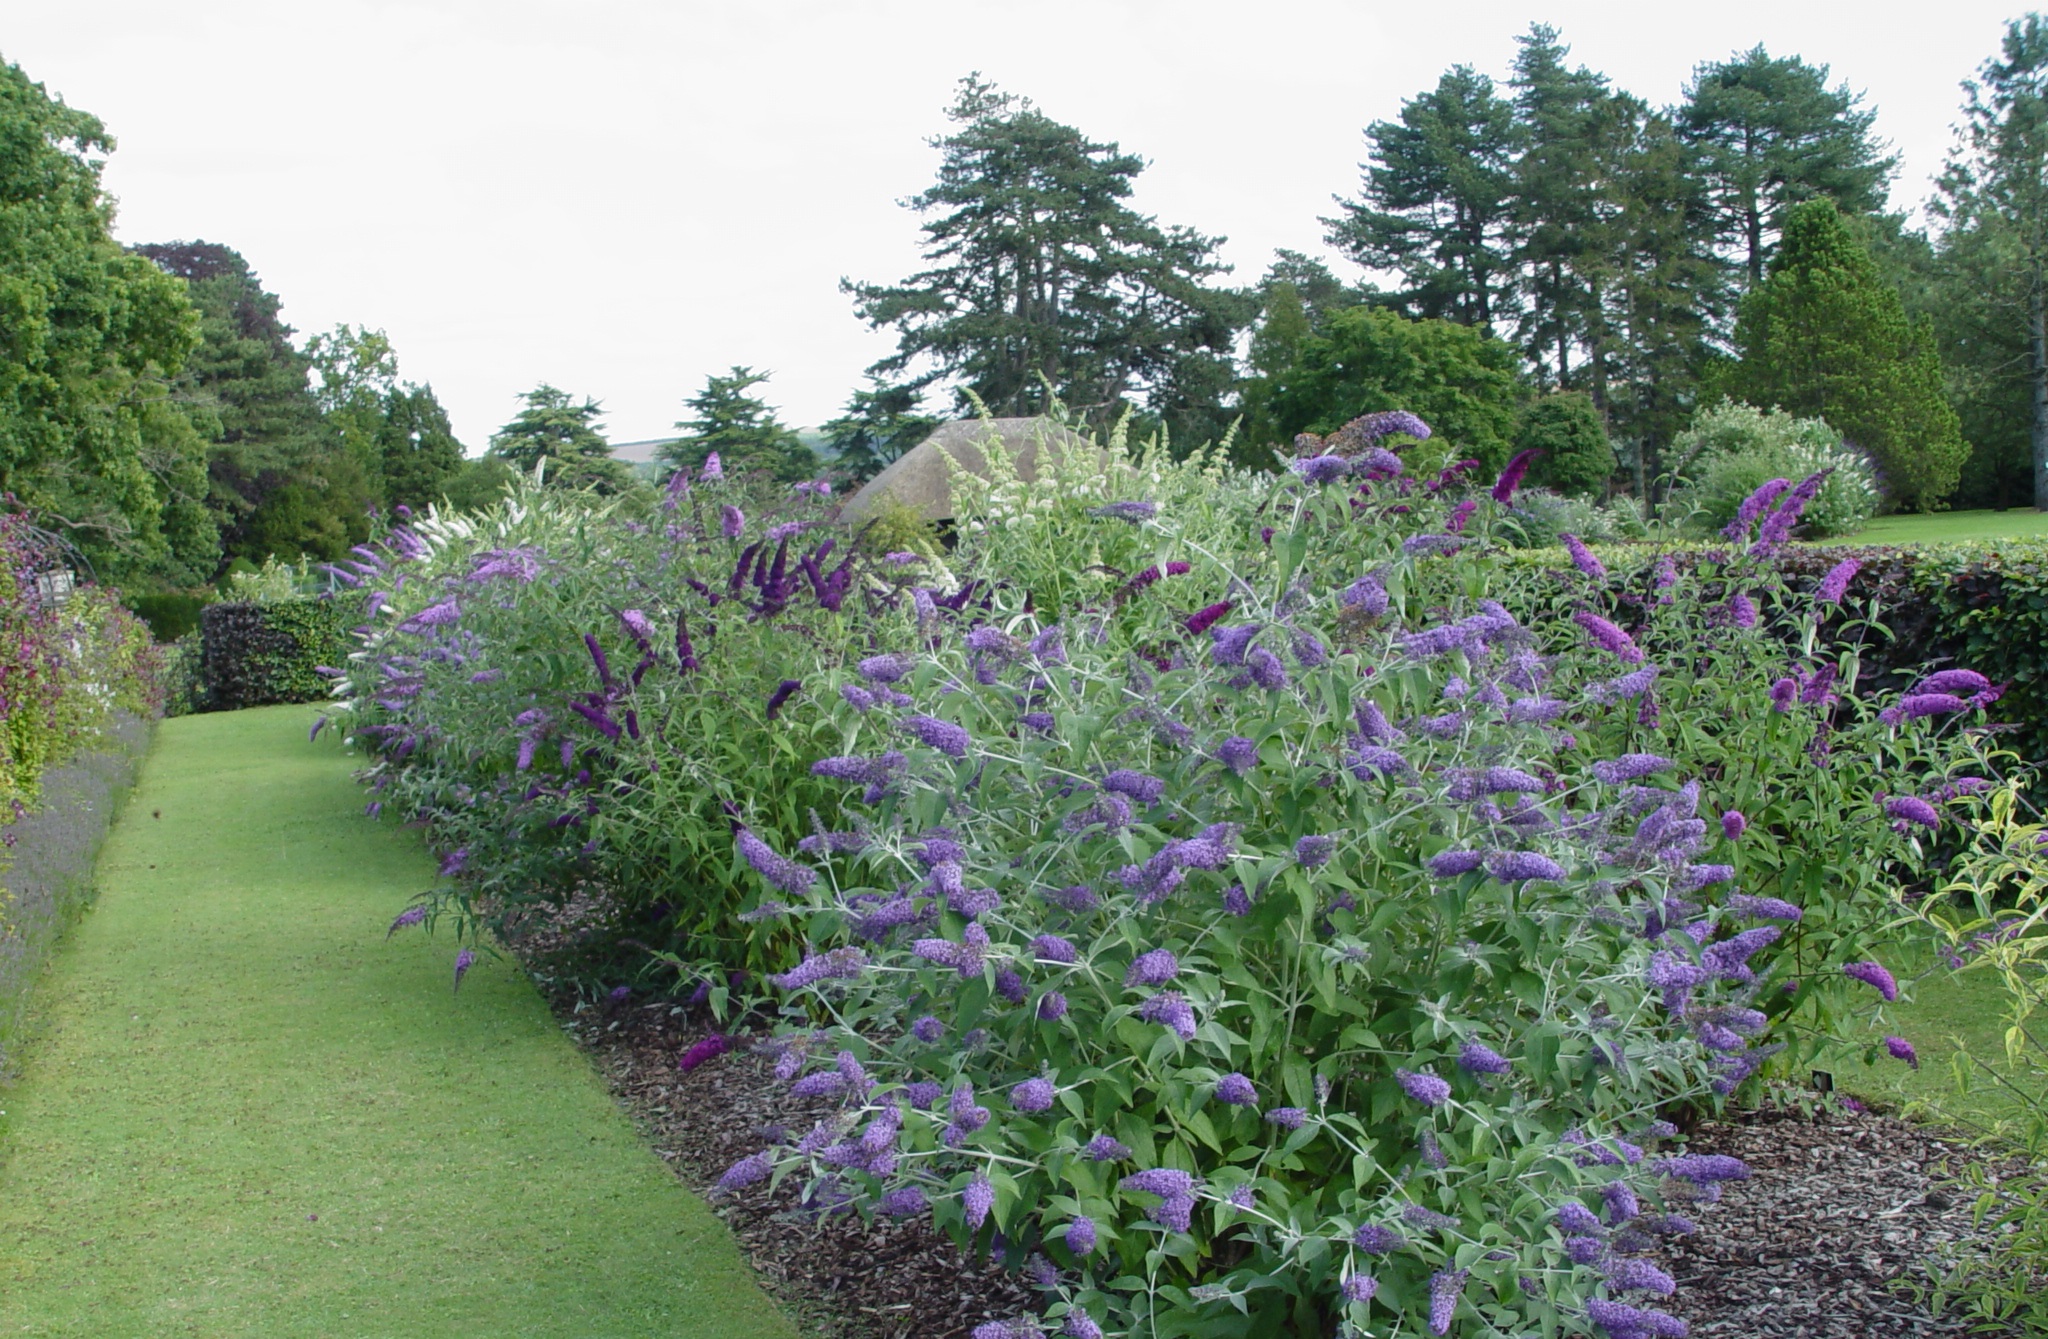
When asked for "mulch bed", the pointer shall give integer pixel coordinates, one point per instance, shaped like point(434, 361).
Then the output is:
point(1840, 1206)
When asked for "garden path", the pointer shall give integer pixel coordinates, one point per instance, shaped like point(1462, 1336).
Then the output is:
point(247, 1113)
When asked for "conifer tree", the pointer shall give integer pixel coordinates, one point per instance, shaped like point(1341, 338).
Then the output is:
point(1826, 337)
point(741, 428)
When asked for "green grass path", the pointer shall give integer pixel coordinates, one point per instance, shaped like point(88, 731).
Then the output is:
point(247, 1114)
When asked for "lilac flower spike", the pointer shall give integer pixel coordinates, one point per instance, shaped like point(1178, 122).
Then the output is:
point(1171, 1010)
point(1445, 1288)
point(713, 468)
point(946, 737)
point(1155, 968)
point(1134, 512)
point(1425, 1088)
point(1913, 809)
point(1236, 1090)
point(1835, 584)
point(781, 871)
point(464, 960)
point(1753, 506)
point(1873, 974)
point(1479, 1058)
point(1311, 852)
point(977, 1199)
point(783, 692)
point(1582, 557)
point(1734, 824)
point(1901, 1049)
point(409, 917)
point(1611, 638)
point(732, 522)
point(1321, 469)
point(1374, 1239)
point(1239, 754)
point(1629, 767)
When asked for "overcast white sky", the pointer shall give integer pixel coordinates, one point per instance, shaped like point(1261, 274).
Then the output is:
point(622, 196)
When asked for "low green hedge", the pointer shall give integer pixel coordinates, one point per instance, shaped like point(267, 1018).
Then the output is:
point(258, 654)
point(1981, 606)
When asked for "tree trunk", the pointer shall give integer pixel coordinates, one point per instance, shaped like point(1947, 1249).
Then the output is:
point(2037, 350)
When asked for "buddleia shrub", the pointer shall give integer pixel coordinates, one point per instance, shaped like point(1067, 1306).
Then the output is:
point(1732, 449)
point(574, 698)
point(1329, 957)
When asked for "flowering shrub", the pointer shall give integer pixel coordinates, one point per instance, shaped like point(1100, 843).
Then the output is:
point(66, 666)
point(1208, 893)
point(1733, 448)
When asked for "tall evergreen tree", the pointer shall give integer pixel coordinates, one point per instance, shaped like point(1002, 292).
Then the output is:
point(282, 481)
point(554, 429)
point(1993, 207)
point(1564, 117)
point(881, 422)
point(1771, 133)
point(396, 430)
point(741, 428)
point(1825, 337)
point(1040, 272)
point(1436, 202)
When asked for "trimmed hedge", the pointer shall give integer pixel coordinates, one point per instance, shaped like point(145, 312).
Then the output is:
point(258, 654)
point(1977, 606)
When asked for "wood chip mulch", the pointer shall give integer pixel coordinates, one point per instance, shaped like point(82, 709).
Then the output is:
point(1840, 1208)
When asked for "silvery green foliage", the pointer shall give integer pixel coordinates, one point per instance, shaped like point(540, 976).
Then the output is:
point(1732, 449)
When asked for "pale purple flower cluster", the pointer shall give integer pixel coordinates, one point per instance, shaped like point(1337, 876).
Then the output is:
point(948, 738)
point(1171, 1010)
point(1873, 974)
point(779, 870)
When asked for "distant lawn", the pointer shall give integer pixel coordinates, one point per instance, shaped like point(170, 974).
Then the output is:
point(1945, 1008)
point(1951, 527)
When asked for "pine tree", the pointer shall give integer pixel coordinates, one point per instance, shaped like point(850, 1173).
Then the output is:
point(1825, 337)
point(741, 428)
point(1041, 274)
point(879, 425)
point(1562, 116)
point(1436, 201)
point(1993, 208)
point(553, 428)
point(1772, 133)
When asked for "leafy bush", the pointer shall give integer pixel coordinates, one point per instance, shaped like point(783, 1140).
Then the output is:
point(1733, 449)
point(1328, 937)
point(1540, 517)
point(1565, 426)
point(68, 664)
point(1994, 918)
point(257, 654)
point(169, 614)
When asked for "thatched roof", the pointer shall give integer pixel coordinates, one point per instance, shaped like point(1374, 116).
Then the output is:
point(920, 476)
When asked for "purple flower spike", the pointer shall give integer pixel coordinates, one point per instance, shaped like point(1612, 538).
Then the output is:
point(1511, 477)
point(1425, 1088)
point(1445, 1288)
point(1874, 974)
point(1835, 584)
point(1311, 852)
point(748, 1170)
point(1733, 825)
point(1155, 968)
point(1753, 506)
point(1478, 1058)
point(732, 522)
point(464, 960)
point(1239, 754)
point(409, 917)
point(1287, 1118)
point(1611, 638)
point(1374, 1239)
point(1582, 557)
point(1629, 767)
point(948, 738)
point(1450, 864)
point(1913, 809)
point(707, 1049)
point(1321, 469)
point(1359, 1288)
point(781, 871)
point(1901, 1049)
point(1032, 1095)
point(1236, 1090)
point(781, 695)
point(1081, 1235)
point(977, 1199)
point(1170, 1009)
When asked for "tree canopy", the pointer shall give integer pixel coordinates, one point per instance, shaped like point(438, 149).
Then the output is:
point(741, 428)
point(90, 440)
point(1043, 282)
point(1826, 337)
point(556, 431)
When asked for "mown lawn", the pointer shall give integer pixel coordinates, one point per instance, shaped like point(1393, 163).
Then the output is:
point(1951, 527)
point(245, 1113)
